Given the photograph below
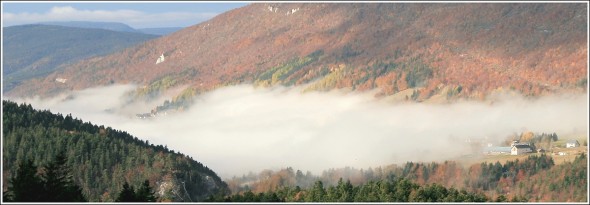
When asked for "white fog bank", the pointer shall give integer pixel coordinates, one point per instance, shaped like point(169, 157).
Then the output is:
point(234, 130)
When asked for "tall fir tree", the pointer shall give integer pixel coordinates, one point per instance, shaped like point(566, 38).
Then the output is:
point(59, 183)
point(26, 185)
point(145, 193)
point(127, 194)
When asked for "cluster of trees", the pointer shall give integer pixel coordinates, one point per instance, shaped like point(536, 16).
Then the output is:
point(536, 140)
point(544, 140)
point(565, 182)
point(53, 184)
point(510, 180)
point(288, 73)
point(388, 190)
point(269, 180)
point(142, 194)
point(104, 158)
point(489, 175)
point(389, 76)
point(180, 102)
point(156, 88)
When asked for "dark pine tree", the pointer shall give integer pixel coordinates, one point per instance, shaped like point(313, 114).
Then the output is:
point(145, 193)
point(59, 185)
point(127, 194)
point(26, 185)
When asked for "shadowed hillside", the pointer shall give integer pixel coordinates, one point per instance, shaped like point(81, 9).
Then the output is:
point(103, 159)
point(37, 50)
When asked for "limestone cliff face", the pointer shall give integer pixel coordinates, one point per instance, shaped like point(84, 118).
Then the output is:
point(171, 188)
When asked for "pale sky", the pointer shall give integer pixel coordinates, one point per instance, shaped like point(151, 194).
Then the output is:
point(135, 14)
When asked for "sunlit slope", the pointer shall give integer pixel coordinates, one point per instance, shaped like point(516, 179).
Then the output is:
point(445, 50)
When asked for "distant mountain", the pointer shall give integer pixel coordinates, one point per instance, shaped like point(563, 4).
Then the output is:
point(102, 158)
point(414, 51)
point(160, 31)
point(36, 50)
point(113, 26)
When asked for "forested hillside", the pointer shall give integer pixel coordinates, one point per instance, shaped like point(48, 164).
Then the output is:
point(536, 178)
point(103, 159)
point(423, 51)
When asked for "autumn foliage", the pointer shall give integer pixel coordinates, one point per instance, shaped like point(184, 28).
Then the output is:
point(534, 49)
point(536, 178)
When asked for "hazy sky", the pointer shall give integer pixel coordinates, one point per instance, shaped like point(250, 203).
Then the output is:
point(134, 14)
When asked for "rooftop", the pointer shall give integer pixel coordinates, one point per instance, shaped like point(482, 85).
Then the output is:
point(497, 149)
point(522, 146)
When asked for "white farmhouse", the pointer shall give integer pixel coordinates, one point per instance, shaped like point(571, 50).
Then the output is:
point(520, 149)
point(572, 144)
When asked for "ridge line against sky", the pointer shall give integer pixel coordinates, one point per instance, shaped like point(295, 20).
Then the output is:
point(135, 14)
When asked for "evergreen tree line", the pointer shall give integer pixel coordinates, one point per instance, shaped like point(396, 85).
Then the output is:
point(567, 182)
point(512, 180)
point(492, 173)
point(53, 183)
point(388, 190)
point(104, 158)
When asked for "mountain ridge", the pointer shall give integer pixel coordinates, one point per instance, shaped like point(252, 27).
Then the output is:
point(113, 26)
point(36, 50)
point(449, 50)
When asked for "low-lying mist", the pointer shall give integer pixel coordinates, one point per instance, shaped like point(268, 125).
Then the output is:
point(235, 130)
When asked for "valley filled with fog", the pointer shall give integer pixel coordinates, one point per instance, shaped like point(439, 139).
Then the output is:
point(238, 129)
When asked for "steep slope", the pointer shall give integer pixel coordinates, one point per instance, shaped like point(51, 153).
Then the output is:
point(36, 50)
point(426, 50)
point(103, 158)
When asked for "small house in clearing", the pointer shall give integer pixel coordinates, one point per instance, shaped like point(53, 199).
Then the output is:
point(521, 149)
point(572, 144)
